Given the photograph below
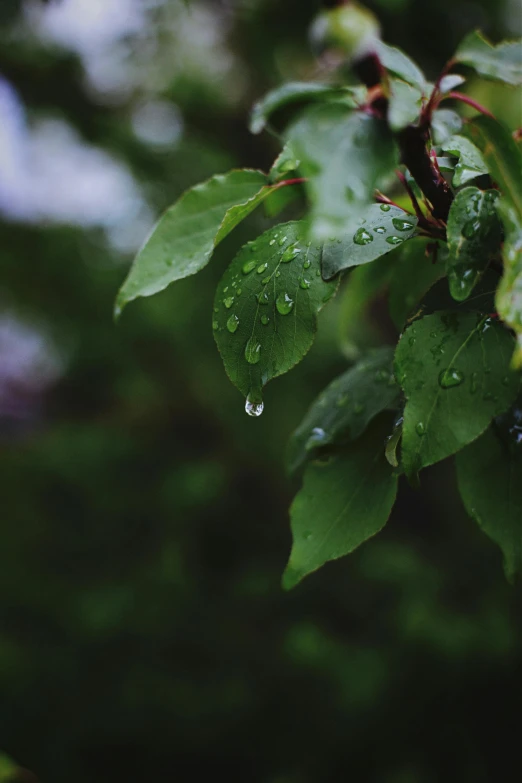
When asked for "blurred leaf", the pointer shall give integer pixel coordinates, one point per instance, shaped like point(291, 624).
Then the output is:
point(444, 123)
point(473, 237)
point(450, 81)
point(384, 228)
point(183, 240)
point(398, 63)
point(509, 293)
point(345, 408)
point(345, 500)
point(292, 92)
point(344, 154)
point(502, 62)
point(502, 155)
point(285, 163)
point(405, 104)
point(8, 769)
point(471, 164)
point(414, 272)
point(454, 369)
point(489, 473)
point(266, 305)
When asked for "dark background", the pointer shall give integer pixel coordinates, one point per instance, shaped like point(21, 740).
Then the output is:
point(144, 635)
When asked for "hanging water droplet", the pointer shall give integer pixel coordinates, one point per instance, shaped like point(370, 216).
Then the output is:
point(248, 266)
point(254, 408)
point(393, 240)
point(261, 268)
point(450, 378)
point(307, 264)
point(284, 303)
point(228, 302)
point(380, 230)
point(232, 323)
point(304, 283)
point(262, 298)
point(289, 254)
point(362, 237)
point(264, 319)
point(420, 429)
point(385, 207)
point(253, 351)
point(402, 225)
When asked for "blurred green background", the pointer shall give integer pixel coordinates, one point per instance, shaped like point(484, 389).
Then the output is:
point(144, 526)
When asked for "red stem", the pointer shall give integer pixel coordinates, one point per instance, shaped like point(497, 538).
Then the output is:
point(411, 194)
point(382, 199)
point(459, 96)
point(296, 181)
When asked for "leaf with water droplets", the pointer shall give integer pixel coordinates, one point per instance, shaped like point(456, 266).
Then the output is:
point(370, 240)
point(509, 292)
point(474, 234)
point(184, 238)
point(294, 93)
point(345, 500)
point(451, 366)
point(344, 154)
point(337, 412)
point(470, 163)
point(274, 316)
point(502, 63)
point(489, 472)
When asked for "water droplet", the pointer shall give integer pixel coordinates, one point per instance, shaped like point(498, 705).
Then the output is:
point(420, 429)
point(362, 237)
point(266, 280)
point(264, 319)
point(278, 273)
point(272, 242)
point(215, 325)
point(358, 408)
point(261, 268)
point(385, 207)
point(473, 384)
point(450, 378)
point(253, 248)
point(304, 283)
point(470, 229)
point(216, 309)
point(284, 303)
point(307, 264)
point(317, 435)
point(262, 298)
point(254, 408)
point(393, 240)
point(282, 241)
point(289, 254)
point(232, 323)
point(253, 351)
point(238, 292)
point(411, 341)
point(228, 302)
point(225, 289)
point(248, 266)
point(402, 225)
point(318, 273)
point(380, 230)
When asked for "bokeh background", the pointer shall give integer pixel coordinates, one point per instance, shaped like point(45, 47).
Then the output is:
point(144, 635)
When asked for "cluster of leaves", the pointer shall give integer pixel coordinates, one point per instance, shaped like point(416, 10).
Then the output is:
point(451, 266)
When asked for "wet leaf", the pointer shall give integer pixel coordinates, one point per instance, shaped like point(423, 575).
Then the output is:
point(470, 163)
point(502, 63)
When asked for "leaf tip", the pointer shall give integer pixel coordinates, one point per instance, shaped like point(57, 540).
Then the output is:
point(290, 578)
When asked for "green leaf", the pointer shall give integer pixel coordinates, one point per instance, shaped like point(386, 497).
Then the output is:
point(502, 63)
point(489, 472)
point(509, 292)
point(444, 124)
point(449, 82)
point(266, 306)
point(347, 405)
point(384, 227)
point(454, 369)
point(343, 154)
point(8, 769)
point(344, 501)
point(471, 164)
point(285, 163)
point(502, 155)
point(414, 272)
point(292, 92)
point(184, 238)
point(405, 104)
point(398, 63)
point(473, 237)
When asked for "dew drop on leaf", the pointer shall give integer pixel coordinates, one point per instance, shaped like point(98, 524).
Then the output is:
point(266, 280)
point(393, 240)
point(402, 225)
point(232, 323)
point(307, 265)
point(420, 429)
point(470, 229)
point(253, 351)
point(254, 408)
point(264, 319)
point(261, 268)
point(362, 237)
point(228, 302)
point(380, 230)
point(215, 325)
point(284, 303)
point(385, 207)
point(262, 298)
point(282, 241)
point(304, 283)
point(289, 254)
point(450, 378)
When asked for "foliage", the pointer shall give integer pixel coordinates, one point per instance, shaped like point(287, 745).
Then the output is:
point(457, 369)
